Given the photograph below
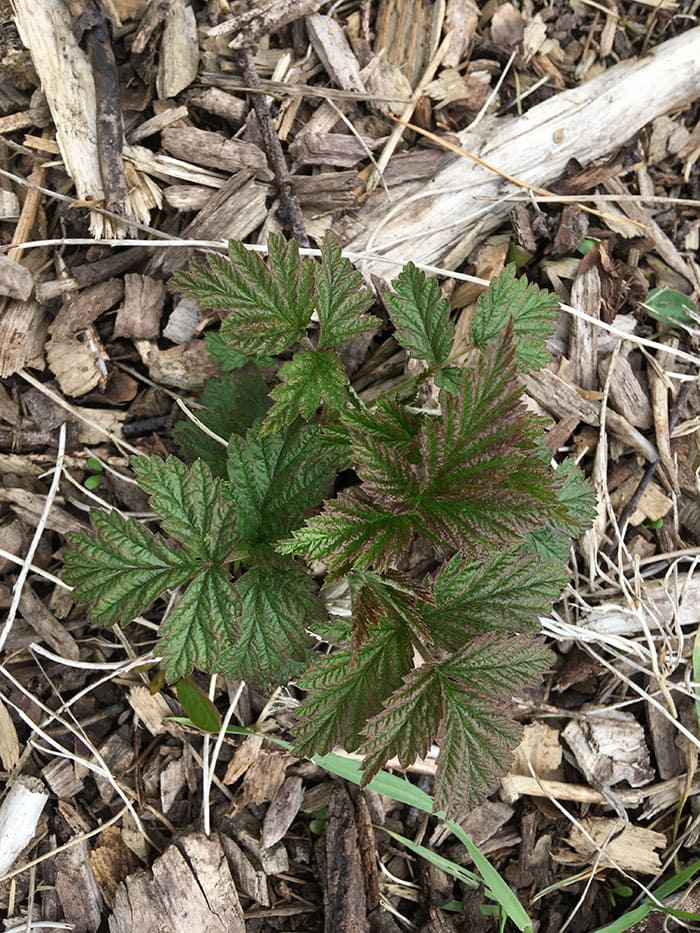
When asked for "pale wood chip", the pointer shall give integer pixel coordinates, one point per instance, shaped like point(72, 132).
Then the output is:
point(283, 810)
point(610, 747)
point(187, 366)
point(626, 395)
point(16, 281)
point(332, 47)
point(9, 743)
point(139, 315)
point(248, 879)
point(23, 327)
point(583, 338)
point(183, 321)
point(631, 850)
point(77, 889)
point(60, 775)
point(214, 150)
point(179, 51)
point(152, 709)
point(189, 888)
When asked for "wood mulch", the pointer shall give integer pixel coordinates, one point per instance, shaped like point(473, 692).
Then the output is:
point(134, 133)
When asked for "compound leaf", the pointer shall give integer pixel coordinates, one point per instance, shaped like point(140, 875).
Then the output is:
point(407, 725)
point(387, 422)
point(205, 619)
point(228, 358)
point(190, 504)
point(310, 379)
point(340, 299)
point(232, 404)
point(577, 496)
point(421, 316)
point(278, 603)
point(532, 311)
point(269, 308)
point(276, 479)
point(120, 567)
point(469, 693)
point(348, 686)
point(352, 531)
point(505, 592)
point(484, 479)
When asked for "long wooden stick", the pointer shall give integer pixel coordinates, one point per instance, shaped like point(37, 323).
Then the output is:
point(429, 222)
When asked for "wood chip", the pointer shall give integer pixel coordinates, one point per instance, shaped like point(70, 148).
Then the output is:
point(187, 366)
point(179, 51)
point(151, 709)
point(583, 339)
point(77, 889)
point(23, 327)
point(340, 866)
point(15, 280)
point(189, 888)
point(9, 743)
point(215, 151)
point(332, 47)
point(633, 849)
point(112, 861)
point(610, 747)
point(283, 810)
point(139, 316)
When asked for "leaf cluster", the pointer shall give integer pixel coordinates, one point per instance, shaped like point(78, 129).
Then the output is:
point(252, 518)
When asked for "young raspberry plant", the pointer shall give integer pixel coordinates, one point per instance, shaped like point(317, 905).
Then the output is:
point(250, 526)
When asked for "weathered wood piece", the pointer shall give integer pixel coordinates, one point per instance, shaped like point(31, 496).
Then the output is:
point(19, 816)
point(583, 339)
point(261, 18)
point(77, 889)
point(189, 888)
point(341, 869)
point(16, 281)
point(221, 104)
point(429, 222)
point(23, 327)
point(332, 47)
point(214, 150)
point(66, 77)
point(179, 51)
point(332, 149)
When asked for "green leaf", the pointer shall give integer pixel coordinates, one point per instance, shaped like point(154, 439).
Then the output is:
point(531, 310)
point(190, 504)
point(348, 686)
point(578, 497)
point(340, 299)
point(276, 479)
point(484, 481)
point(232, 405)
point(279, 603)
point(470, 693)
point(393, 596)
point(478, 734)
point(421, 316)
point(197, 705)
point(352, 531)
point(407, 725)
point(120, 567)
point(505, 592)
point(390, 424)
point(449, 379)
point(670, 307)
point(201, 625)
point(228, 358)
point(269, 308)
point(310, 379)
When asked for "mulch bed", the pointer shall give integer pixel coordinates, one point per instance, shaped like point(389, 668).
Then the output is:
point(240, 120)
